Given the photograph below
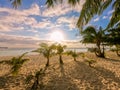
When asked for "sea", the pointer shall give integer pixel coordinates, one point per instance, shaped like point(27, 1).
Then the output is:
point(19, 51)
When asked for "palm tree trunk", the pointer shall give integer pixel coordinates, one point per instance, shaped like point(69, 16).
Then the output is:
point(74, 59)
point(47, 64)
point(60, 59)
point(99, 53)
point(117, 51)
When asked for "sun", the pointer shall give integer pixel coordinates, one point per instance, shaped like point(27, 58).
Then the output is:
point(56, 36)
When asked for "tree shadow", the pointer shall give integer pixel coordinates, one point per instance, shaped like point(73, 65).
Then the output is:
point(59, 80)
point(112, 60)
point(62, 71)
point(108, 75)
point(87, 76)
point(7, 81)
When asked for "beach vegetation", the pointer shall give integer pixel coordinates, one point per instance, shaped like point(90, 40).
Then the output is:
point(16, 63)
point(46, 50)
point(74, 54)
point(94, 36)
point(60, 50)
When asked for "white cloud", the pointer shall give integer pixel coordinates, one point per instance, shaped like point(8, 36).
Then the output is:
point(110, 12)
point(16, 19)
point(16, 40)
point(105, 17)
point(59, 9)
point(96, 19)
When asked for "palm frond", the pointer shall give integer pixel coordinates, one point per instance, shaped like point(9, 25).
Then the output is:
point(73, 2)
point(16, 3)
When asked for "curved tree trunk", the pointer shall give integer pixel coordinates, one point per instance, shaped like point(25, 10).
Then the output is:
point(98, 52)
point(118, 50)
point(60, 59)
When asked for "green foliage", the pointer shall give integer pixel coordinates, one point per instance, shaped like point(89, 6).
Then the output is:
point(16, 63)
point(36, 78)
point(82, 54)
point(46, 50)
point(74, 54)
point(91, 35)
point(90, 61)
point(60, 50)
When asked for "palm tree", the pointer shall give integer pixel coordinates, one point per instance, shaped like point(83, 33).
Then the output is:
point(74, 54)
point(16, 63)
point(113, 38)
point(91, 35)
point(46, 50)
point(60, 50)
point(90, 8)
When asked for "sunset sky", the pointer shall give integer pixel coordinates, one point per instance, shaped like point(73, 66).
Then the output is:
point(33, 22)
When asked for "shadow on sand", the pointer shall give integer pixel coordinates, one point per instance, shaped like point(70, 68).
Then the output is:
point(93, 77)
point(60, 81)
point(7, 81)
point(112, 60)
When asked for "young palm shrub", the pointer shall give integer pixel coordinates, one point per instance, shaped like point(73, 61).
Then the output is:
point(90, 62)
point(16, 63)
point(46, 50)
point(60, 50)
point(37, 79)
point(74, 54)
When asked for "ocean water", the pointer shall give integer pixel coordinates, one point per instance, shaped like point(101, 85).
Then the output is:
point(15, 52)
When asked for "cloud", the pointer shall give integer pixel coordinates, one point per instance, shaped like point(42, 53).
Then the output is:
point(104, 17)
point(63, 9)
point(15, 40)
point(110, 12)
point(96, 19)
point(11, 19)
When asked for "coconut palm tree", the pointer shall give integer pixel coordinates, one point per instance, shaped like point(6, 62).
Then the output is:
point(16, 63)
point(60, 49)
point(74, 54)
point(91, 35)
point(113, 38)
point(46, 50)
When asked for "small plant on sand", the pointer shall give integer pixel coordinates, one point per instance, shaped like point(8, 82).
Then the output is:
point(16, 63)
point(90, 62)
point(74, 54)
point(60, 49)
point(37, 79)
point(82, 54)
point(46, 50)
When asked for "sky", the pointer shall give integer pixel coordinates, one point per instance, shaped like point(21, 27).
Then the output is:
point(33, 23)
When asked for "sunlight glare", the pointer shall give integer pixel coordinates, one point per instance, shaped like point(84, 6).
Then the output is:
point(56, 36)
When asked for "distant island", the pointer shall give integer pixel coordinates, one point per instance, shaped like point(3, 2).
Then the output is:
point(3, 48)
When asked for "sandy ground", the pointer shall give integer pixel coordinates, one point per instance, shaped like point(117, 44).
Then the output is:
point(70, 76)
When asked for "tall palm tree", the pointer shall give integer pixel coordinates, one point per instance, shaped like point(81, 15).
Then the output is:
point(60, 49)
point(16, 63)
point(90, 8)
point(46, 50)
point(91, 35)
